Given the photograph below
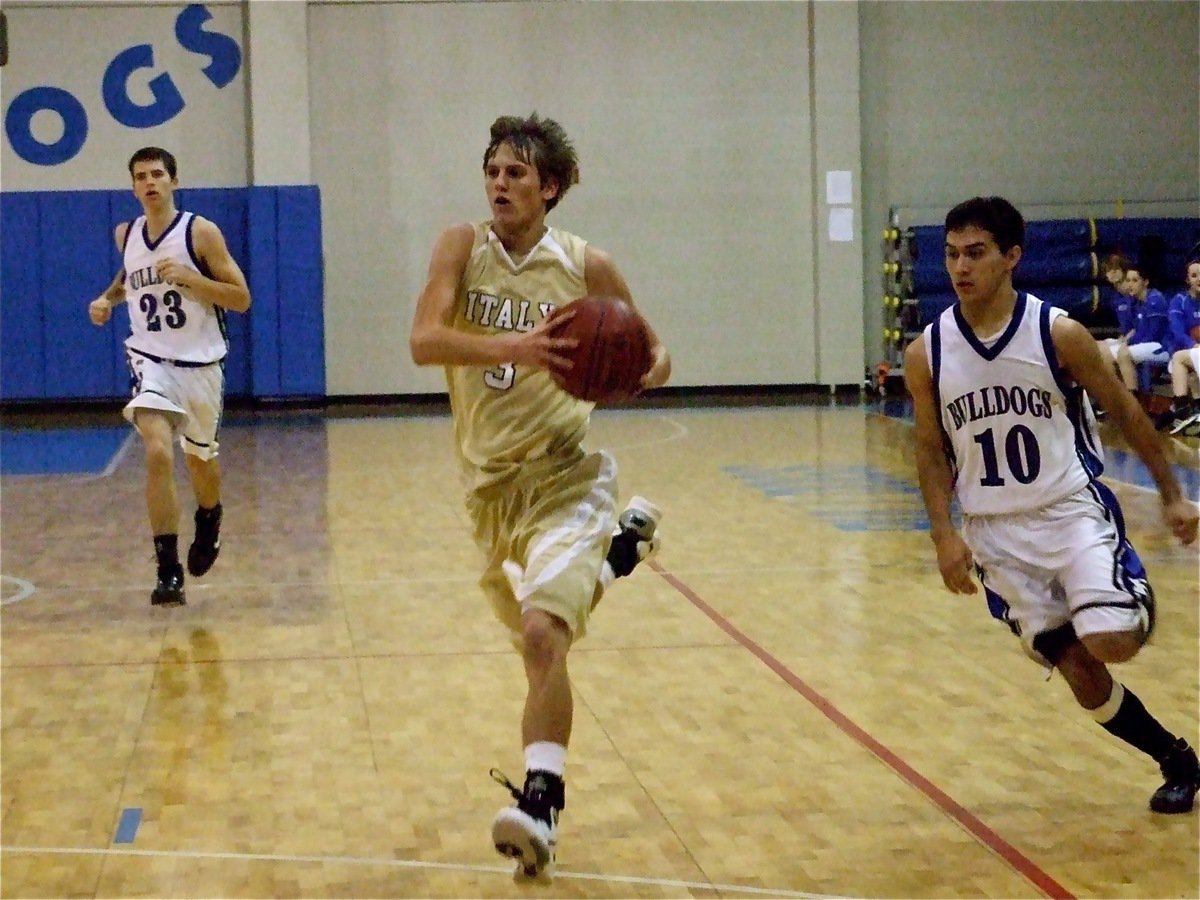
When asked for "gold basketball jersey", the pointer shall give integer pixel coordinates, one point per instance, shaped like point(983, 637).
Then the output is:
point(509, 414)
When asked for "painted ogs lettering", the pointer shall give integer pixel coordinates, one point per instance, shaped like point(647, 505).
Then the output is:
point(224, 62)
point(19, 119)
point(167, 102)
point(225, 56)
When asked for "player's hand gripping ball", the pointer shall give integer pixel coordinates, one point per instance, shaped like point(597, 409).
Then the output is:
point(613, 352)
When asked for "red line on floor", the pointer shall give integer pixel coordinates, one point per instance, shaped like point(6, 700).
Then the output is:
point(1010, 854)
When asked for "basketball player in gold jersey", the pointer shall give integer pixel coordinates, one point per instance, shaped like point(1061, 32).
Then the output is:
point(543, 510)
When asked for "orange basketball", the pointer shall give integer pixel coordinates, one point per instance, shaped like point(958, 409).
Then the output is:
point(613, 352)
point(1195, 333)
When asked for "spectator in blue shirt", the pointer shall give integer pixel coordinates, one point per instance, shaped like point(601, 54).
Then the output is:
point(1184, 316)
point(1146, 343)
point(1114, 267)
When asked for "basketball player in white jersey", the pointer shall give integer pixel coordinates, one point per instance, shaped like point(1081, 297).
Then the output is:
point(179, 279)
point(1004, 425)
point(544, 511)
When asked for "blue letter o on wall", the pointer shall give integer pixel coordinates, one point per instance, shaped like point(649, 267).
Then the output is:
point(18, 122)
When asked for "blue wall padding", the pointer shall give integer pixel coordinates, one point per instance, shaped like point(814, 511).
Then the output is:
point(1059, 263)
point(57, 253)
point(1068, 269)
point(1178, 234)
point(1075, 268)
point(301, 291)
point(1065, 235)
point(261, 223)
point(73, 246)
point(1042, 237)
point(21, 346)
point(1162, 245)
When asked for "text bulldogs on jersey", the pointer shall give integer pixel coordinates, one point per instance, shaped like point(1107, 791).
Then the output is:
point(998, 400)
point(139, 278)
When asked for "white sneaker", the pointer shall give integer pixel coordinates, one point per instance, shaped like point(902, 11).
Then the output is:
point(530, 841)
point(524, 834)
point(1180, 423)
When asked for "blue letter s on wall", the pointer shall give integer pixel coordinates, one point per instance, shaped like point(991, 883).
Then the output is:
point(223, 52)
point(225, 60)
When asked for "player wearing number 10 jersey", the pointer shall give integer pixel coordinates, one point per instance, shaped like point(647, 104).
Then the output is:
point(1000, 385)
point(178, 278)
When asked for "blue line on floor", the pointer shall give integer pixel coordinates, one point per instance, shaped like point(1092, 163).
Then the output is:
point(127, 828)
point(58, 451)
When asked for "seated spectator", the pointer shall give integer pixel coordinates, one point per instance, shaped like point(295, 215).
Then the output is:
point(1146, 343)
point(1114, 267)
point(1183, 313)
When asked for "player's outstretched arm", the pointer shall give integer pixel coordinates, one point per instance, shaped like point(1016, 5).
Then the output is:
point(1080, 356)
point(935, 476)
point(605, 279)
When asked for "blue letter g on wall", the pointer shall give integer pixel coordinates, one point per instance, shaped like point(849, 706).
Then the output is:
point(167, 101)
point(18, 124)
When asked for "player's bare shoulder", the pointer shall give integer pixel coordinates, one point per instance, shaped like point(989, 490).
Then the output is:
point(120, 232)
point(916, 366)
point(454, 244)
point(602, 276)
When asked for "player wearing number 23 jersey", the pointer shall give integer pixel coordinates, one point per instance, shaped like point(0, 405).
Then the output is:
point(165, 321)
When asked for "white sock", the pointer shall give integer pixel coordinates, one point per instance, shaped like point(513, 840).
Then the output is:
point(546, 756)
point(607, 576)
point(1106, 710)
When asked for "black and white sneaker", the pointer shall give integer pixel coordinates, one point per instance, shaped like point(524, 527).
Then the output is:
point(528, 832)
point(169, 590)
point(207, 543)
point(636, 537)
point(1181, 770)
point(1180, 423)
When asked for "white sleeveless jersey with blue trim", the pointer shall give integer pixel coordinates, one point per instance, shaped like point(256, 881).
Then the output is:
point(165, 322)
point(1019, 433)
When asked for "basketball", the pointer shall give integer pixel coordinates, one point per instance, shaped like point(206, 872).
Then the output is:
point(1195, 333)
point(613, 352)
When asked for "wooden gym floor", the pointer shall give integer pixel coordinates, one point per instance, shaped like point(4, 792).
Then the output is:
point(786, 704)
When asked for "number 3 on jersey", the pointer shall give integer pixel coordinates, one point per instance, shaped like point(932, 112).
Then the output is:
point(1021, 452)
point(501, 378)
point(173, 315)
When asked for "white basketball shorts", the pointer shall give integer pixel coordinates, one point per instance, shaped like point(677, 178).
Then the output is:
point(193, 397)
point(1067, 562)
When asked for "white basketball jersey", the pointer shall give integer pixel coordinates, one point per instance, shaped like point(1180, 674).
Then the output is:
point(1019, 434)
point(165, 322)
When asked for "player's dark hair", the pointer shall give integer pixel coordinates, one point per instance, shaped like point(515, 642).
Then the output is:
point(543, 144)
point(151, 154)
point(1116, 261)
point(994, 215)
